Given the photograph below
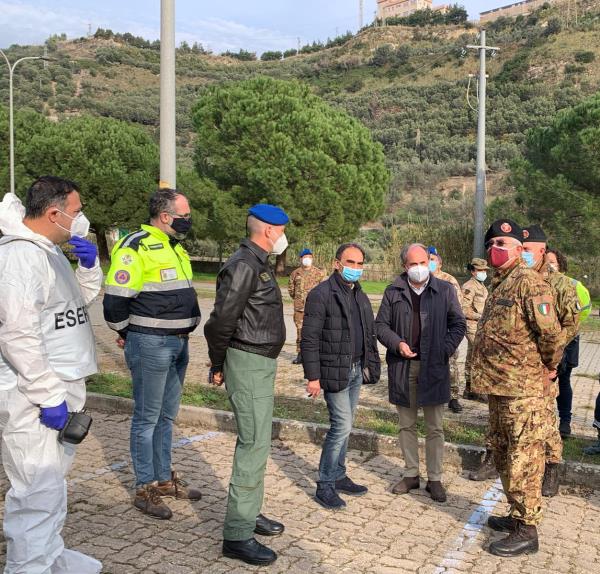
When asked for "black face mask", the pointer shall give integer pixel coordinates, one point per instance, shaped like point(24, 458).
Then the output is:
point(181, 226)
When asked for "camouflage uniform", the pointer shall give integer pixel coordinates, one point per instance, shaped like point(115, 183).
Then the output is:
point(453, 361)
point(518, 341)
point(302, 280)
point(567, 310)
point(475, 294)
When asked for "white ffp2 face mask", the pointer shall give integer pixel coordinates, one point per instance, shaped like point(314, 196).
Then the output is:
point(307, 261)
point(280, 245)
point(418, 273)
point(80, 226)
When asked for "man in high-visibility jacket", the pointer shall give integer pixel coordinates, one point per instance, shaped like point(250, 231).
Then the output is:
point(151, 302)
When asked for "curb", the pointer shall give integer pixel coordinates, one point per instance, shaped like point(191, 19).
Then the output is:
point(457, 456)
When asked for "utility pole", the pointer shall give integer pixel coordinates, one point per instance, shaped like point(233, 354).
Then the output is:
point(361, 10)
point(298, 44)
point(167, 94)
point(478, 247)
point(11, 122)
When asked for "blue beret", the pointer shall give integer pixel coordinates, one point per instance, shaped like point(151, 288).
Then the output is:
point(305, 252)
point(432, 250)
point(270, 214)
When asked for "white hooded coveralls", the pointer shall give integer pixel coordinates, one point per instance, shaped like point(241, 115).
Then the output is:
point(46, 350)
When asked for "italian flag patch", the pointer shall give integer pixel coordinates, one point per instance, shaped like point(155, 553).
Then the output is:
point(544, 308)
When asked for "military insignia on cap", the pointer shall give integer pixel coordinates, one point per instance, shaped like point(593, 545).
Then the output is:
point(525, 234)
point(126, 259)
point(506, 227)
point(122, 276)
point(544, 308)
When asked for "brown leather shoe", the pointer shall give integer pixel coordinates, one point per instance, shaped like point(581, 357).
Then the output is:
point(407, 484)
point(147, 500)
point(436, 490)
point(178, 488)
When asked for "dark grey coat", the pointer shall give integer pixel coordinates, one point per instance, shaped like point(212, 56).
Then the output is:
point(443, 327)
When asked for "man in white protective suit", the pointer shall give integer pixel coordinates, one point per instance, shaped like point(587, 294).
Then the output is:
point(47, 349)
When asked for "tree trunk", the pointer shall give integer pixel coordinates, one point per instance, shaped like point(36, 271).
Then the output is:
point(103, 253)
point(280, 264)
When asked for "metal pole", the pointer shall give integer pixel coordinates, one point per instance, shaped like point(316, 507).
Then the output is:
point(11, 127)
point(480, 191)
point(167, 94)
point(478, 247)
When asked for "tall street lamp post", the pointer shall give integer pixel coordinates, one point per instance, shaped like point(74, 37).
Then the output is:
point(11, 69)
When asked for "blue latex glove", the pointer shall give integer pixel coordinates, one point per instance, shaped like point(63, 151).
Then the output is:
point(55, 417)
point(85, 251)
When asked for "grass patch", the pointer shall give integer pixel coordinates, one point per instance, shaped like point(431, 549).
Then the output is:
point(591, 324)
point(377, 420)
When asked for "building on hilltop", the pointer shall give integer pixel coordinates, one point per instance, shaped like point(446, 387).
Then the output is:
point(403, 8)
point(511, 10)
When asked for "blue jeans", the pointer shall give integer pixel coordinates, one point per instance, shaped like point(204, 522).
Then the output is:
point(157, 364)
point(342, 407)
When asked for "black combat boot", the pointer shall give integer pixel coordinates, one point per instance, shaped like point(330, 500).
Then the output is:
point(550, 484)
point(487, 470)
point(502, 523)
point(298, 359)
point(522, 540)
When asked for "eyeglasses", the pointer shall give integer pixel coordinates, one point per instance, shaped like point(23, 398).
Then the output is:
point(500, 243)
point(187, 216)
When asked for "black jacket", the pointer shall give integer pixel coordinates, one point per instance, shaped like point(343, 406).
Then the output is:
point(248, 312)
point(443, 327)
point(326, 342)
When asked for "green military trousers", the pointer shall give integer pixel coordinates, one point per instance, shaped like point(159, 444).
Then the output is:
point(250, 380)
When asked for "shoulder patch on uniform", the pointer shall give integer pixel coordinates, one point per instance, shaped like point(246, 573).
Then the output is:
point(122, 276)
point(126, 259)
point(544, 308)
point(264, 276)
point(133, 240)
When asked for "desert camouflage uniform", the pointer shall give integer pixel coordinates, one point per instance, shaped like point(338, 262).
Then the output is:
point(302, 280)
point(474, 294)
point(566, 304)
point(518, 341)
point(453, 361)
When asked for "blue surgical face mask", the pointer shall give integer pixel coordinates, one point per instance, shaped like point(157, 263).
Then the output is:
point(481, 276)
point(433, 266)
point(351, 275)
point(528, 258)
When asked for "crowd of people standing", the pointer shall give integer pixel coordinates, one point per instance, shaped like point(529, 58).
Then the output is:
point(521, 336)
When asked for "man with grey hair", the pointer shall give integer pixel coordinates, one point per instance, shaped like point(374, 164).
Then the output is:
point(421, 324)
point(152, 304)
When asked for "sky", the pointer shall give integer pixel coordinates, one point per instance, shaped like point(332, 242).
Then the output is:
point(255, 25)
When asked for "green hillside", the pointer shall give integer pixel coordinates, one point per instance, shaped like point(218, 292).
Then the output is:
point(408, 85)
